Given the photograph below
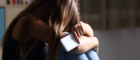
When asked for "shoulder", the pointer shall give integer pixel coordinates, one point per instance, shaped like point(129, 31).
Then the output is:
point(16, 29)
point(39, 26)
point(39, 23)
point(36, 27)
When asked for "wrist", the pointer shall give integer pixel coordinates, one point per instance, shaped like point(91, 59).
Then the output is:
point(63, 35)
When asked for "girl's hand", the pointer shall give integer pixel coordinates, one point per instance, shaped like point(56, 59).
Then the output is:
point(78, 31)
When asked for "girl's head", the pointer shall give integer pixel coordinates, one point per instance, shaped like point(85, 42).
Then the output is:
point(60, 15)
point(62, 12)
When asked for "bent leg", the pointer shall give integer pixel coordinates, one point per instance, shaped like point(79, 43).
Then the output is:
point(70, 56)
point(89, 55)
point(61, 55)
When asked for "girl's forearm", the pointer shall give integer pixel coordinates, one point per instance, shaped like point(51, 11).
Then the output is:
point(87, 43)
point(89, 32)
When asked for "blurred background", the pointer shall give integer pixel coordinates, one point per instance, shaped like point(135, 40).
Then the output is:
point(116, 23)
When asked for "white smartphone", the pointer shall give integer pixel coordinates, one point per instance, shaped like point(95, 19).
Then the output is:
point(69, 42)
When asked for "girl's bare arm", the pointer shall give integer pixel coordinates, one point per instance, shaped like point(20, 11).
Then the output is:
point(83, 33)
point(41, 31)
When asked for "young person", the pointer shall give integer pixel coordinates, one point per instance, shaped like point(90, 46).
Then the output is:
point(43, 22)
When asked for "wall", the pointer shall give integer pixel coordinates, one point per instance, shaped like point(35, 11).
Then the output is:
point(119, 44)
point(11, 13)
point(2, 22)
point(2, 26)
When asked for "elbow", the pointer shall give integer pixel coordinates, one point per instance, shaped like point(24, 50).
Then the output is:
point(97, 41)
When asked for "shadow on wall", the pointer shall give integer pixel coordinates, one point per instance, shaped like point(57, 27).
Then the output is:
point(119, 44)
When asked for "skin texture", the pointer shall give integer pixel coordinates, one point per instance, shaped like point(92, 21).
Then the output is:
point(82, 32)
point(86, 37)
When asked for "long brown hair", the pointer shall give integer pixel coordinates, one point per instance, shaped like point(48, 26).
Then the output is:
point(60, 15)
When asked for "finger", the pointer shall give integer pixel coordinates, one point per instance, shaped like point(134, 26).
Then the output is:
point(79, 29)
point(76, 37)
point(82, 27)
point(77, 32)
